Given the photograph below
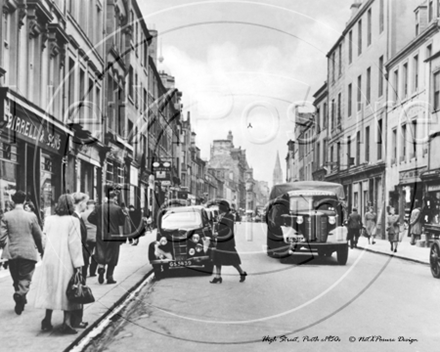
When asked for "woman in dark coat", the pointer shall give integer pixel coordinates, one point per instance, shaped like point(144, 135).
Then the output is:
point(225, 253)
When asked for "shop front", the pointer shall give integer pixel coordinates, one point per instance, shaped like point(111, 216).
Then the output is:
point(410, 189)
point(33, 153)
point(431, 203)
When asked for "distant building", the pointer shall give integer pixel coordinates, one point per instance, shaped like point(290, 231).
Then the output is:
point(277, 172)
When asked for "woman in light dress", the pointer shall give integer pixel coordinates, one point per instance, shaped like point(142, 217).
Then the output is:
point(62, 256)
point(370, 224)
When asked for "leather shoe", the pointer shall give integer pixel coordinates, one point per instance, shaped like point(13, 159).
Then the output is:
point(19, 303)
point(68, 330)
point(111, 281)
point(46, 325)
point(243, 276)
point(101, 272)
point(81, 325)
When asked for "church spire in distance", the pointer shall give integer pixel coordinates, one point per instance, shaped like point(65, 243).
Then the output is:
point(277, 172)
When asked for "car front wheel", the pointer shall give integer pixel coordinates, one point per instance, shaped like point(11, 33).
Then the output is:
point(434, 260)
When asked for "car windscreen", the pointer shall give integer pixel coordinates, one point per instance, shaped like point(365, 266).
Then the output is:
point(181, 220)
point(298, 204)
point(307, 203)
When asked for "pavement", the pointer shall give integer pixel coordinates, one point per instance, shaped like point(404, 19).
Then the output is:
point(404, 249)
point(22, 333)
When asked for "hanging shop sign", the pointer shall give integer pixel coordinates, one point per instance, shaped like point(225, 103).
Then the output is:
point(162, 171)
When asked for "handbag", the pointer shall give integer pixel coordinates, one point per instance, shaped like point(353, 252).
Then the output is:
point(77, 291)
point(364, 232)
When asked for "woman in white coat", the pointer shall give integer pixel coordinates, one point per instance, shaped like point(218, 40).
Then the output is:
point(62, 256)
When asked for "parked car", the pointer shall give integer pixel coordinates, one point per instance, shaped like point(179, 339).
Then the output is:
point(184, 240)
point(307, 215)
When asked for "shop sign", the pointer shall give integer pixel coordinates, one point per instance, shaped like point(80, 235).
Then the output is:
point(36, 132)
point(162, 171)
point(433, 188)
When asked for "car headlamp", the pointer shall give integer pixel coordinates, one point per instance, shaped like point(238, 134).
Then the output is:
point(195, 238)
point(299, 220)
point(331, 220)
point(192, 251)
point(163, 241)
point(199, 248)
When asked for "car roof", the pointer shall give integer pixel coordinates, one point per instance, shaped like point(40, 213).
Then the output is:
point(283, 188)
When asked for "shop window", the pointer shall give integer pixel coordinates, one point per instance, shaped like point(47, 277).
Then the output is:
point(47, 189)
point(8, 175)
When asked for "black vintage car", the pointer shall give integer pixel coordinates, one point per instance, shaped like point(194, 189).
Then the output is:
point(184, 240)
point(307, 216)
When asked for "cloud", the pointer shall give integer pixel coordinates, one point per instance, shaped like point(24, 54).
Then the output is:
point(226, 78)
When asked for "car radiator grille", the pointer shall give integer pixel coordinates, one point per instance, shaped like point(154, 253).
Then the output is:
point(316, 228)
point(180, 247)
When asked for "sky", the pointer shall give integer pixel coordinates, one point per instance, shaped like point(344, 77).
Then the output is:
point(243, 65)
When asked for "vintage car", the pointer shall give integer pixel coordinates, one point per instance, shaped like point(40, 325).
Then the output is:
point(308, 216)
point(184, 240)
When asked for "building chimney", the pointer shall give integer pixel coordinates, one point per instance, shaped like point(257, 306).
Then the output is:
point(153, 45)
point(421, 13)
point(355, 7)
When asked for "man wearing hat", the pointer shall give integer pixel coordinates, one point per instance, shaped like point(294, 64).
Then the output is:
point(109, 220)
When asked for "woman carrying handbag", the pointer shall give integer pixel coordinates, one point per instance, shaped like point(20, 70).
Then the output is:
point(62, 256)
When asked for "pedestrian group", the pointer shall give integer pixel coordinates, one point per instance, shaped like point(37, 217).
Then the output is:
point(79, 237)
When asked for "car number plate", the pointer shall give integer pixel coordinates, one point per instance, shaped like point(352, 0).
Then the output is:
point(181, 263)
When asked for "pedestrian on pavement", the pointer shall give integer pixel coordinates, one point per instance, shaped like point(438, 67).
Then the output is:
point(127, 227)
point(416, 222)
point(20, 235)
point(136, 224)
point(30, 207)
point(62, 257)
point(370, 224)
point(392, 227)
point(80, 204)
point(109, 219)
point(149, 226)
point(225, 252)
point(91, 237)
point(354, 225)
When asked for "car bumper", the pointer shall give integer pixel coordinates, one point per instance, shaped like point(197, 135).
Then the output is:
point(190, 262)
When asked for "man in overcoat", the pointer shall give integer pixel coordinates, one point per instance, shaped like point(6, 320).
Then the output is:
point(354, 224)
point(109, 220)
point(20, 235)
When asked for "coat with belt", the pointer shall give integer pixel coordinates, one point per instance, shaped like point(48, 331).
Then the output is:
point(62, 254)
point(20, 233)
